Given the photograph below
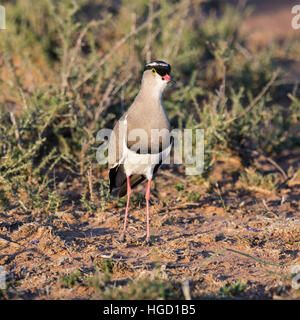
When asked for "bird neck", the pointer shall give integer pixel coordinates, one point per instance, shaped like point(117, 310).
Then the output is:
point(153, 94)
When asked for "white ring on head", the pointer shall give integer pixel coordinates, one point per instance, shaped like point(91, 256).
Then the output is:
point(154, 64)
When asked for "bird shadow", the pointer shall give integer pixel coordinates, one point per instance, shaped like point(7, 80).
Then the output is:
point(70, 235)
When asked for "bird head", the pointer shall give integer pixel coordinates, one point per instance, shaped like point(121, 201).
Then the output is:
point(157, 75)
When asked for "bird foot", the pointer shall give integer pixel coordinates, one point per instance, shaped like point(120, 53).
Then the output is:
point(148, 243)
point(122, 238)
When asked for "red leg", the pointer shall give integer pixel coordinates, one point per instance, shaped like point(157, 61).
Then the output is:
point(127, 208)
point(147, 203)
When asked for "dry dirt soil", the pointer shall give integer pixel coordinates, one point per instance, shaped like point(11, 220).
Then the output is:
point(38, 250)
point(188, 226)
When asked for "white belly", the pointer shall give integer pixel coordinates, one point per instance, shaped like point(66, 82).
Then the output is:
point(144, 164)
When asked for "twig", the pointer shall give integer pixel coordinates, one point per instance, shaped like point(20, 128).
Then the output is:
point(221, 92)
point(115, 48)
point(90, 177)
point(223, 204)
point(174, 46)
point(22, 205)
point(186, 289)
point(275, 164)
point(244, 51)
point(104, 101)
point(71, 55)
point(258, 189)
point(256, 99)
point(243, 254)
point(147, 48)
point(17, 133)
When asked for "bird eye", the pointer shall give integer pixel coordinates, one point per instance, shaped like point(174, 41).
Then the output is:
point(153, 70)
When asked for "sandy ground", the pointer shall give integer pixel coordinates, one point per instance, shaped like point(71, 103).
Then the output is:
point(38, 250)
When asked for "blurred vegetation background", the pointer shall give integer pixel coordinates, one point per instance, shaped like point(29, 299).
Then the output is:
point(69, 68)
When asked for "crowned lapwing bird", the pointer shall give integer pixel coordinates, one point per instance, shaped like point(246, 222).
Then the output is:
point(141, 142)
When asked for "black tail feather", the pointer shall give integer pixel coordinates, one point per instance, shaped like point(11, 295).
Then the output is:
point(135, 179)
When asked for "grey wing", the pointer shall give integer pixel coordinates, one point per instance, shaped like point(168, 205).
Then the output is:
point(117, 174)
